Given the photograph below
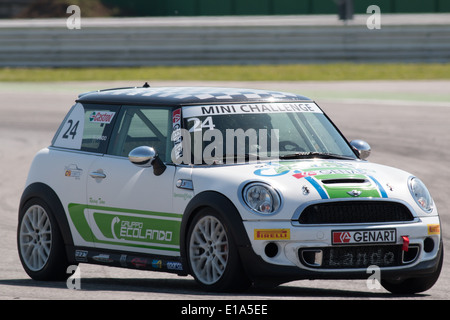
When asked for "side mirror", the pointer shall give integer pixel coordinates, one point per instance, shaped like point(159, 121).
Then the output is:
point(147, 157)
point(362, 147)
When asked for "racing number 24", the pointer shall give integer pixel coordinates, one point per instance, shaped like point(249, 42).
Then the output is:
point(72, 130)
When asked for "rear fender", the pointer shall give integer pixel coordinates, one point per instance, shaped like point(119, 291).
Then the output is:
point(44, 192)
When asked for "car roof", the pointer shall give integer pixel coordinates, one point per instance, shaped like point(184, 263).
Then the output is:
point(178, 96)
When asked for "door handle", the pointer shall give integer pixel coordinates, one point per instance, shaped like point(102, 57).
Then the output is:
point(97, 175)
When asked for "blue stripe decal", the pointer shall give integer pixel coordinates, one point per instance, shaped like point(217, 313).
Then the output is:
point(317, 186)
point(380, 188)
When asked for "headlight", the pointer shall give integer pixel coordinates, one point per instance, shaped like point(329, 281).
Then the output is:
point(261, 198)
point(420, 194)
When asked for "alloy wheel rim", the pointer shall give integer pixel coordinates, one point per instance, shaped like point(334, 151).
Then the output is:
point(209, 250)
point(35, 238)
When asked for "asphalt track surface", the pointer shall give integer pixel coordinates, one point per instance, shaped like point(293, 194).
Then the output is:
point(407, 124)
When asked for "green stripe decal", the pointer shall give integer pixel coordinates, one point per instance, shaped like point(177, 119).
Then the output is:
point(323, 194)
point(380, 187)
point(369, 189)
point(345, 179)
point(127, 227)
point(76, 212)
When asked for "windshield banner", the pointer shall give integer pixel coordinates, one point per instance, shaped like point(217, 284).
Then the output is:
point(254, 108)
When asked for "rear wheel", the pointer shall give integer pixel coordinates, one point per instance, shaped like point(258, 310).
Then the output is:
point(212, 254)
point(40, 245)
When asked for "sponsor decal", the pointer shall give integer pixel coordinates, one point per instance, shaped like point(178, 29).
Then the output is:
point(157, 264)
point(72, 171)
point(173, 265)
point(321, 169)
point(363, 236)
point(176, 117)
point(123, 260)
point(272, 234)
point(272, 169)
point(176, 134)
point(316, 173)
point(303, 174)
point(81, 255)
point(136, 230)
point(434, 229)
point(99, 138)
point(127, 227)
point(103, 258)
point(96, 201)
point(360, 257)
point(184, 196)
point(139, 263)
point(101, 116)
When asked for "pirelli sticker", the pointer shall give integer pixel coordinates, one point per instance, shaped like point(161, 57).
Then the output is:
point(434, 229)
point(272, 234)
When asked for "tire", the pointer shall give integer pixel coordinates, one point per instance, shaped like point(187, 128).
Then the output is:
point(212, 254)
point(40, 245)
point(414, 285)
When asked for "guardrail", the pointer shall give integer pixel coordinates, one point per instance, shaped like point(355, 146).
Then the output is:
point(135, 44)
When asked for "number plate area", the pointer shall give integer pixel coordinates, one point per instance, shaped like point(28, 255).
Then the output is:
point(356, 249)
point(360, 257)
point(351, 257)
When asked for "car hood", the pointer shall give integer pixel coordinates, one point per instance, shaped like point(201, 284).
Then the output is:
point(303, 181)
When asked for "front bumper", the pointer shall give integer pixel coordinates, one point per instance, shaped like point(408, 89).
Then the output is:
point(281, 251)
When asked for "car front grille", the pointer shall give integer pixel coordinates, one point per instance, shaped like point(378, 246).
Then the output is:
point(355, 212)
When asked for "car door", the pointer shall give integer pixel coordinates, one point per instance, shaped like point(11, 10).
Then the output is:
point(81, 139)
point(130, 208)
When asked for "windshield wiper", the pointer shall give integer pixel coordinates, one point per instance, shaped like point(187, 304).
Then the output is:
point(310, 155)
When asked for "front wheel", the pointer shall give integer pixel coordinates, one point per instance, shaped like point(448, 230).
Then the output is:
point(40, 245)
point(212, 254)
point(414, 285)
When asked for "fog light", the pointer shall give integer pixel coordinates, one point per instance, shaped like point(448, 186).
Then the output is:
point(271, 249)
point(428, 245)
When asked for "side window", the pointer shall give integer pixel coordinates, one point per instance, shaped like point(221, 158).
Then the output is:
point(142, 126)
point(86, 128)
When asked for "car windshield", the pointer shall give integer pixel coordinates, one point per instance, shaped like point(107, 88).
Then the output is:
point(247, 132)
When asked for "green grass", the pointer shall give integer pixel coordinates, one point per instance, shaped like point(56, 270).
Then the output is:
point(296, 72)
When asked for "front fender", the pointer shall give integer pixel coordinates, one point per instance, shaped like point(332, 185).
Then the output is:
point(224, 207)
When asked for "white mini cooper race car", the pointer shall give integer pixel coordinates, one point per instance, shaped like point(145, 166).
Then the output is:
point(232, 186)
